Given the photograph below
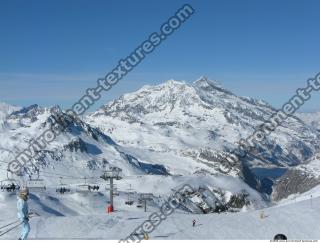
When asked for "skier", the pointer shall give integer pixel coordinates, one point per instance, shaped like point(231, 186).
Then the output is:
point(146, 236)
point(23, 213)
point(193, 223)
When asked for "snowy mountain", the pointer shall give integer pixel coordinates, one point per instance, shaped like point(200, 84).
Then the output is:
point(305, 176)
point(312, 119)
point(5, 110)
point(189, 128)
point(82, 151)
point(79, 150)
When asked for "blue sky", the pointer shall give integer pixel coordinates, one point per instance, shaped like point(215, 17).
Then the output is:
point(51, 51)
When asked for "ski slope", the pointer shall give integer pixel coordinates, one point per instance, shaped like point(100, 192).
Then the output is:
point(83, 216)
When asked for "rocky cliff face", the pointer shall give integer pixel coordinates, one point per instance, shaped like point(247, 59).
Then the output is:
point(298, 179)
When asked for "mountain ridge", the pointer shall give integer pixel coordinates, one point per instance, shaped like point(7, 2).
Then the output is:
point(174, 128)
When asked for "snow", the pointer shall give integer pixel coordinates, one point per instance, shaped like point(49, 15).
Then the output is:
point(5, 111)
point(83, 216)
point(312, 119)
point(180, 119)
point(312, 168)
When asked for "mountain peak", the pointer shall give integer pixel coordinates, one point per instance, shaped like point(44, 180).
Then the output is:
point(173, 82)
point(6, 110)
point(204, 81)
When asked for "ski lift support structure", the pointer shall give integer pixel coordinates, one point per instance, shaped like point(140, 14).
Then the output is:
point(111, 174)
point(146, 197)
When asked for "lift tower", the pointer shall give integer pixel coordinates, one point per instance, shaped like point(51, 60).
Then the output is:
point(110, 174)
point(144, 197)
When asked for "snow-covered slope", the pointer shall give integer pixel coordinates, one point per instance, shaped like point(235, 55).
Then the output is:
point(312, 119)
point(80, 151)
point(5, 110)
point(83, 216)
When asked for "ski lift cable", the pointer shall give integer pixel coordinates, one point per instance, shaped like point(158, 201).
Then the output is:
point(67, 165)
point(8, 219)
point(65, 176)
point(68, 176)
point(9, 224)
point(14, 227)
point(57, 175)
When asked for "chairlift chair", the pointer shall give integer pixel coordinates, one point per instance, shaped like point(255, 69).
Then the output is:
point(87, 188)
point(63, 188)
point(36, 185)
point(129, 201)
point(9, 185)
point(115, 188)
point(139, 206)
point(115, 192)
point(94, 187)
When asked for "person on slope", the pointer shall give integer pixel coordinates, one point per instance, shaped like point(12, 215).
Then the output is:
point(23, 213)
point(193, 223)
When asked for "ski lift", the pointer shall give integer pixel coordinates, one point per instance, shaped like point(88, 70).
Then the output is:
point(9, 185)
point(36, 185)
point(63, 188)
point(84, 188)
point(140, 203)
point(108, 187)
point(115, 189)
point(115, 192)
point(129, 201)
point(87, 188)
